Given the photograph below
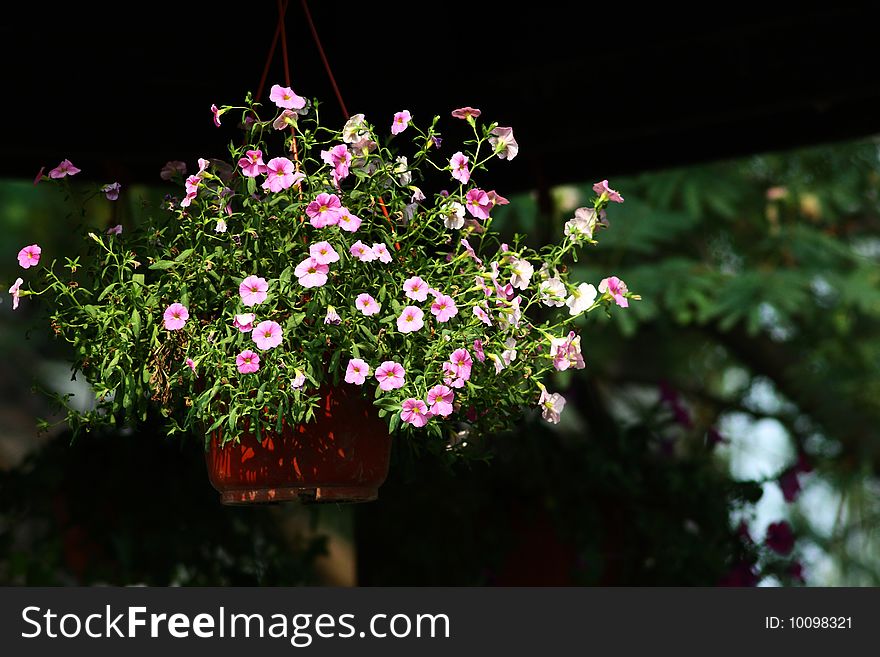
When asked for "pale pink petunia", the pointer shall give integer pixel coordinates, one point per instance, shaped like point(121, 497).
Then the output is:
point(582, 297)
point(381, 252)
point(461, 361)
point(253, 290)
point(509, 354)
point(191, 364)
point(29, 256)
point(39, 176)
point(244, 322)
point(175, 316)
point(285, 98)
point(191, 184)
point(14, 291)
point(281, 174)
point(324, 253)
point(415, 288)
point(267, 335)
point(339, 158)
point(66, 168)
point(324, 210)
point(478, 351)
point(411, 319)
point(252, 164)
point(332, 317)
point(482, 315)
point(401, 121)
point(451, 377)
point(354, 129)
point(582, 224)
point(466, 113)
point(390, 375)
point(470, 251)
point(616, 288)
point(115, 230)
point(566, 352)
point(552, 292)
point(415, 412)
point(551, 405)
point(216, 112)
point(311, 273)
point(459, 165)
point(504, 143)
point(477, 203)
point(298, 380)
point(444, 308)
point(497, 362)
point(366, 304)
point(602, 189)
point(247, 361)
point(221, 226)
point(362, 252)
point(111, 191)
point(453, 215)
point(521, 273)
point(204, 163)
point(357, 371)
point(348, 221)
point(496, 199)
point(440, 400)
point(285, 119)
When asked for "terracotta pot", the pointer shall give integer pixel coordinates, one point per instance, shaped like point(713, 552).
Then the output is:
point(342, 456)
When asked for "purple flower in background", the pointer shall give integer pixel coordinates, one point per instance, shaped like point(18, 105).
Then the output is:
point(780, 537)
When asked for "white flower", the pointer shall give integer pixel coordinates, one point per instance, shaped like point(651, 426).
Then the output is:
point(453, 215)
point(522, 273)
point(509, 354)
point(354, 129)
point(583, 224)
point(551, 406)
point(404, 176)
point(298, 380)
point(221, 226)
point(581, 298)
point(552, 292)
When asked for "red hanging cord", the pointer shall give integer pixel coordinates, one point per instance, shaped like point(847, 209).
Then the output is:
point(308, 14)
point(278, 30)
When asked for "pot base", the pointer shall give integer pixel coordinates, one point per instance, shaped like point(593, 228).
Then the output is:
point(323, 494)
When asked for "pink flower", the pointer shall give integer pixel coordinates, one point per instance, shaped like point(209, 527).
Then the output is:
point(247, 362)
point(504, 144)
point(444, 308)
point(347, 221)
point(192, 184)
point(66, 168)
point(415, 288)
point(190, 363)
point(267, 335)
point(616, 288)
point(482, 315)
point(478, 351)
point(462, 363)
point(244, 322)
point(459, 165)
point(311, 273)
point(281, 174)
point(298, 380)
point(551, 406)
point(415, 412)
point(496, 199)
point(324, 210)
point(323, 253)
point(15, 293)
point(366, 304)
point(111, 191)
point(253, 290)
point(217, 114)
point(566, 352)
point(362, 252)
point(411, 319)
point(466, 113)
point(381, 252)
point(39, 176)
point(477, 203)
point(357, 371)
point(252, 164)
point(401, 121)
point(175, 316)
point(451, 378)
point(339, 158)
point(390, 375)
point(29, 256)
point(470, 251)
point(286, 118)
point(332, 316)
point(285, 98)
point(602, 189)
point(115, 230)
point(440, 400)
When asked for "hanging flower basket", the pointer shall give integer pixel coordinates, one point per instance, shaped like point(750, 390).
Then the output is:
point(342, 456)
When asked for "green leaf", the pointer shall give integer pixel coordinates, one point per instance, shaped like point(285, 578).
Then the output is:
point(135, 323)
point(183, 255)
point(162, 264)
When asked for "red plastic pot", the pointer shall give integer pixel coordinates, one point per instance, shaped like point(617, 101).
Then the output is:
point(342, 456)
